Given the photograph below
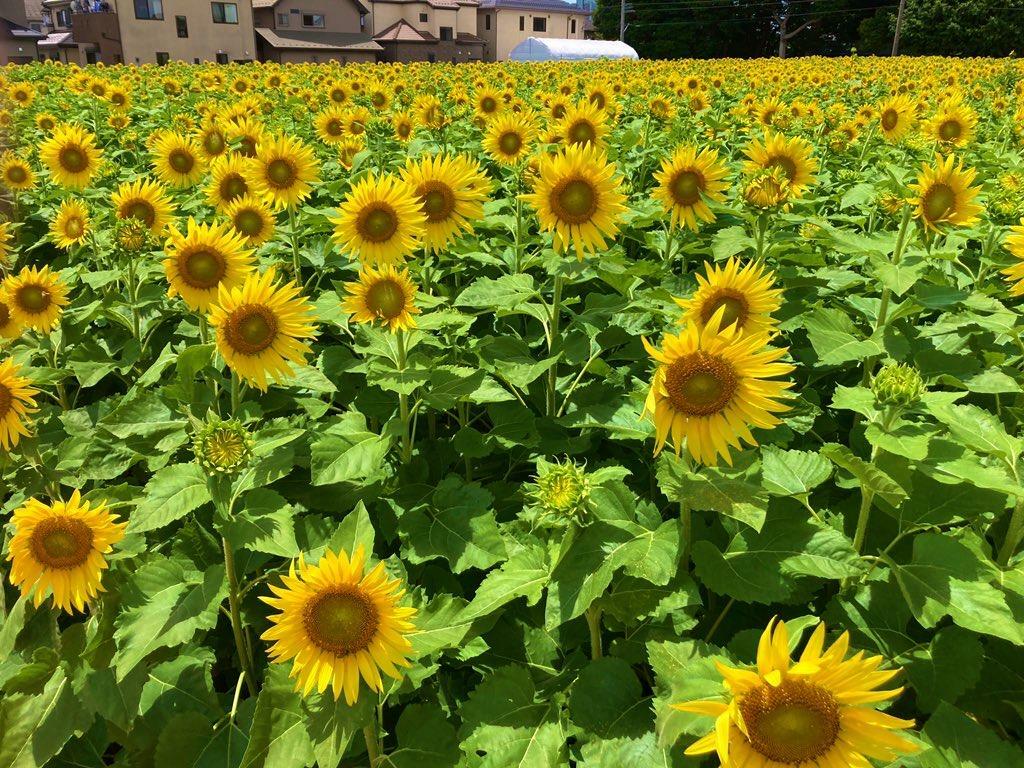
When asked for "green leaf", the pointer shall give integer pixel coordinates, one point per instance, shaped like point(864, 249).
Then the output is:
point(870, 477)
point(731, 492)
point(947, 668)
point(607, 700)
point(792, 473)
point(278, 738)
point(425, 739)
point(170, 494)
point(35, 728)
point(978, 430)
point(332, 724)
point(504, 293)
point(355, 531)
point(835, 338)
point(265, 524)
point(346, 452)
point(960, 742)
point(524, 574)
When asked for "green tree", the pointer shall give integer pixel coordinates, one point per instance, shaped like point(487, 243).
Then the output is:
point(937, 27)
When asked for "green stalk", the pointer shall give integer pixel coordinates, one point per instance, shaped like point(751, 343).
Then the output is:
point(296, 262)
point(236, 394)
point(1014, 534)
point(593, 616)
point(403, 400)
point(244, 652)
point(553, 340)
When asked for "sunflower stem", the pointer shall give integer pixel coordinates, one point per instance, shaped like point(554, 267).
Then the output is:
point(554, 339)
point(403, 399)
point(593, 616)
point(372, 748)
point(1014, 534)
point(296, 262)
point(686, 531)
point(236, 394)
point(864, 514)
point(519, 219)
point(244, 652)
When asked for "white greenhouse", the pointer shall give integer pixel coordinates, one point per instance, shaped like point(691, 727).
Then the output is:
point(557, 49)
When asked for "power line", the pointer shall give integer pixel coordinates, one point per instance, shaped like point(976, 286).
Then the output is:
point(747, 21)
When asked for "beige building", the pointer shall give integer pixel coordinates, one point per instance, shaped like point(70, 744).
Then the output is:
point(17, 39)
point(186, 30)
point(503, 24)
point(313, 30)
point(427, 30)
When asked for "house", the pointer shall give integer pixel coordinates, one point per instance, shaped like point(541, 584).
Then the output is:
point(17, 39)
point(313, 30)
point(427, 30)
point(79, 33)
point(504, 24)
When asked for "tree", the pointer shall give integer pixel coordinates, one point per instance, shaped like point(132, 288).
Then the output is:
point(940, 28)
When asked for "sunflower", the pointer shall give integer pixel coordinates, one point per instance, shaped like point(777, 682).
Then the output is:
point(510, 138)
point(46, 121)
point(251, 218)
point(356, 120)
point(36, 297)
point(283, 172)
point(687, 181)
point(584, 124)
point(60, 548)
point(6, 239)
point(953, 124)
point(348, 148)
point(793, 156)
point(402, 125)
point(146, 201)
point(578, 199)
point(16, 398)
point(380, 221)
point(330, 125)
point(212, 139)
point(452, 191)
point(745, 292)
point(9, 327)
point(337, 92)
point(177, 159)
point(71, 224)
point(815, 713)
point(203, 260)
point(1015, 273)
point(229, 180)
point(71, 155)
point(896, 117)
point(710, 385)
point(339, 624)
point(487, 103)
point(260, 326)
point(383, 294)
point(22, 94)
point(16, 174)
point(945, 194)
point(246, 133)
point(430, 111)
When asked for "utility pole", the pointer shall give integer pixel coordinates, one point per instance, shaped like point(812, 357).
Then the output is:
point(899, 25)
point(622, 19)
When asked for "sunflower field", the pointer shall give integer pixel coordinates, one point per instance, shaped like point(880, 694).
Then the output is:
point(610, 415)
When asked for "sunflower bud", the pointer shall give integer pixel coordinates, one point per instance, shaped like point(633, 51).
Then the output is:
point(768, 189)
point(562, 491)
point(897, 384)
point(133, 236)
point(222, 447)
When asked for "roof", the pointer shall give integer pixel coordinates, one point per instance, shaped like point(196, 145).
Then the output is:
point(20, 31)
point(321, 41)
point(468, 39)
point(56, 38)
point(452, 4)
point(553, 49)
point(257, 4)
point(555, 6)
point(403, 32)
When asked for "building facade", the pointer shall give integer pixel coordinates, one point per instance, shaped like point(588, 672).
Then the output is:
point(17, 39)
point(313, 30)
point(503, 24)
point(427, 30)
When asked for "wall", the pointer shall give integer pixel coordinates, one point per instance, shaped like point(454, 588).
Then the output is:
point(339, 15)
point(103, 30)
point(9, 53)
point(141, 39)
point(508, 35)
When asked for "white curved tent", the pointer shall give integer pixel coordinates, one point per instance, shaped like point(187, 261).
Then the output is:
point(557, 49)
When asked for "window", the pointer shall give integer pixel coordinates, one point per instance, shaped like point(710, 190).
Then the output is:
point(540, 25)
point(487, 21)
point(572, 25)
point(149, 10)
point(225, 13)
point(64, 17)
point(282, 19)
point(222, 58)
point(162, 57)
point(181, 24)
point(522, 23)
point(424, 17)
point(446, 33)
point(315, 20)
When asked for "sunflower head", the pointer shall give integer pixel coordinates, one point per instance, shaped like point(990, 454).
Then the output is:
point(60, 547)
point(71, 224)
point(223, 447)
point(204, 259)
point(385, 295)
point(509, 138)
point(945, 195)
point(897, 384)
point(767, 189)
point(381, 220)
point(36, 297)
point(744, 295)
point(17, 398)
point(562, 489)
point(283, 172)
point(71, 156)
point(339, 624)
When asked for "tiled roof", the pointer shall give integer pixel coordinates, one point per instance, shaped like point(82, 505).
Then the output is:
point(257, 4)
point(556, 6)
point(466, 37)
point(56, 38)
point(321, 41)
point(403, 32)
point(453, 4)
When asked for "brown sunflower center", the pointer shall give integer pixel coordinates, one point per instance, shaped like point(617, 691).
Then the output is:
point(141, 210)
point(950, 130)
point(181, 161)
point(214, 143)
point(356, 127)
point(687, 186)
point(247, 146)
point(47, 124)
point(890, 118)
point(510, 143)
point(938, 201)
point(333, 127)
point(377, 223)
point(118, 99)
point(558, 111)
point(700, 384)
point(404, 129)
point(736, 308)
point(6, 398)
point(73, 159)
point(378, 99)
point(16, 174)
point(438, 200)
point(203, 268)
point(61, 542)
point(74, 228)
point(338, 95)
point(574, 201)
point(488, 104)
point(581, 132)
point(341, 621)
point(251, 328)
point(34, 298)
point(5, 318)
point(281, 173)
point(249, 222)
point(791, 723)
point(232, 186)
point(386, 299)
point(598, 99)
point(785, 163)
